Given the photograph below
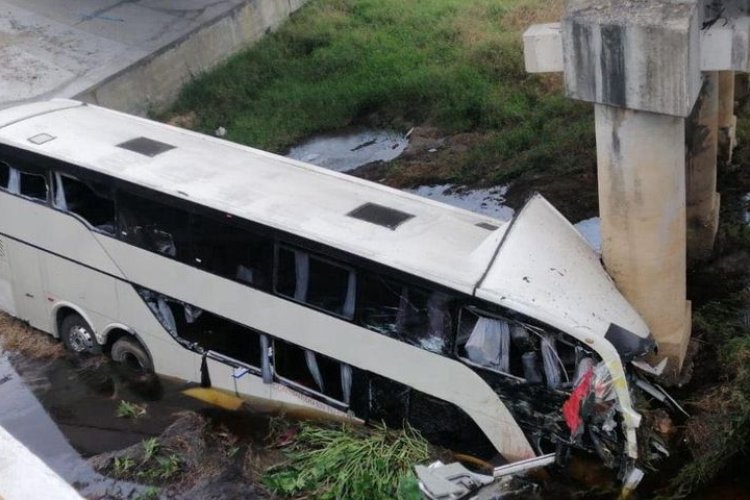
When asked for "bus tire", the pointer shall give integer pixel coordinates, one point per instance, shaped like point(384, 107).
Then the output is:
point(129, 352)
point(78, 336)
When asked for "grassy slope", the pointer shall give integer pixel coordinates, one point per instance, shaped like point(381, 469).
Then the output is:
point(453, 64)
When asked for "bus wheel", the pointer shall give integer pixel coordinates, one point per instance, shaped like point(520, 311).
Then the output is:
point(77, 335)
point(130, 353)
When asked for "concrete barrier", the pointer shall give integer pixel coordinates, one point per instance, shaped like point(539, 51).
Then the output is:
point(23, 476)
point(154, 82)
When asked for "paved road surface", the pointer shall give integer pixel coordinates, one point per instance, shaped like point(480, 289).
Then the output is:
point(60, 48)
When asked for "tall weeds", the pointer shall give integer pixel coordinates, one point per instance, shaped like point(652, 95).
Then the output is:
point(348, 462)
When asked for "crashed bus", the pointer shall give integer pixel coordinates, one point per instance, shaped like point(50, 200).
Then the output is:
point(278, 281)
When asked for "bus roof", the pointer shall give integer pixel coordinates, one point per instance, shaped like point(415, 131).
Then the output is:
point(440, 243)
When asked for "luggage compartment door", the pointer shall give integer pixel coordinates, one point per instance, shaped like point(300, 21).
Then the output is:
point(28, 290)
point(7, 302)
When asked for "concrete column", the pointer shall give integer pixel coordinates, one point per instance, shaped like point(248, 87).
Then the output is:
point(701, 142)
point(727, 119)
point(641, 164)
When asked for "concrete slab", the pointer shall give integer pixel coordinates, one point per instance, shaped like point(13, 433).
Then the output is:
point(69, 48)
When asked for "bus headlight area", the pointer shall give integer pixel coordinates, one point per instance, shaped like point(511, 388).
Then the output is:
point(268, 279)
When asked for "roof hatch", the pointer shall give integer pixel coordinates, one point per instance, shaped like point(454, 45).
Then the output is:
point(487, 226)
point(145, 146)
point(380, 215)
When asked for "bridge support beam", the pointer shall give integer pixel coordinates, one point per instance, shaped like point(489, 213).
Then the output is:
point(641, 167)
point(702, 200)
point(639, 63)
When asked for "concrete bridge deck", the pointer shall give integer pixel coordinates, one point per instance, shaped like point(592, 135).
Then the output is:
point(131, 55)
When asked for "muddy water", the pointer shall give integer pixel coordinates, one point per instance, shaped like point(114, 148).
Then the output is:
point(64, 411)
point(346, 151)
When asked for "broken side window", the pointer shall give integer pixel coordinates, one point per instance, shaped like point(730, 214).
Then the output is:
point(33, 185)
point(312, 370)
point(4, 175)
point(316, 281)
point(379, 302)
point(91, 201)
point(153, 226)
point(214, 333)
point(497, 344)
point(425, 320)
point(231, 252)
point(420, 317)
point(515, 349)
point(204, 329)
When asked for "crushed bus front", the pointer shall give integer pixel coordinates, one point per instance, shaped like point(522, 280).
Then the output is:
point(545, 270)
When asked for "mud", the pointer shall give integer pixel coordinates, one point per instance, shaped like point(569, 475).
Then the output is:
point(64, 410)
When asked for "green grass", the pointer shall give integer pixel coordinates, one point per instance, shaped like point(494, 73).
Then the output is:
point(352, 463)
point(126, 409)
point(153, 463)
point(454, 64)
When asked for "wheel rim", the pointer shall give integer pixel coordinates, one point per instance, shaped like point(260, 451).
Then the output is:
point(80, 339)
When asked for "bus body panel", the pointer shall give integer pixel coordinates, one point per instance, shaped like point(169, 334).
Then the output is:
point(567, 282)
point(169, 357)
point(28, 286)
point(427, 372)
point(7, 300)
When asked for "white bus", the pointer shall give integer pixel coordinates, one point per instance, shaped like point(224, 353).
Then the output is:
point(279, 281)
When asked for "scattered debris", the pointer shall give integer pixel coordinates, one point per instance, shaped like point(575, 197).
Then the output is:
point(438, 481)
point(220, 132)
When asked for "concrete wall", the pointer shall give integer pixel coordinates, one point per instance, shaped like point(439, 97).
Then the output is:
point(154, 82)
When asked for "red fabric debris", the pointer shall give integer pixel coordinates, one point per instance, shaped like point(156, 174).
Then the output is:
point(572, 407)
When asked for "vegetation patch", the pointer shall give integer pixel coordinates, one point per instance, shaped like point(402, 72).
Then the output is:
point(130, 410)
point(717, 436)
point(19, 337)
point(350, 462)
point(453, 65)
point(154, 464)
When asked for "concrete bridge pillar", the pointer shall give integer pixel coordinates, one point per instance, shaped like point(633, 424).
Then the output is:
point(641, 164)
point(638, 61)
point(727, 120)
point(702, 200)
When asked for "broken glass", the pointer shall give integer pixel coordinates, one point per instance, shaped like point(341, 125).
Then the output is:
point(153, 226)
point(92, 202)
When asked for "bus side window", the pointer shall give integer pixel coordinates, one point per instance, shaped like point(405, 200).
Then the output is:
point(425, 320)
point(4, 175)
point(312, 370)
point(316, 281)
point(34, 186)
point(153, 226)
point(209, 331)
point(379, 302)
point(417, 316)
point(231, 252)
point(92, 202)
